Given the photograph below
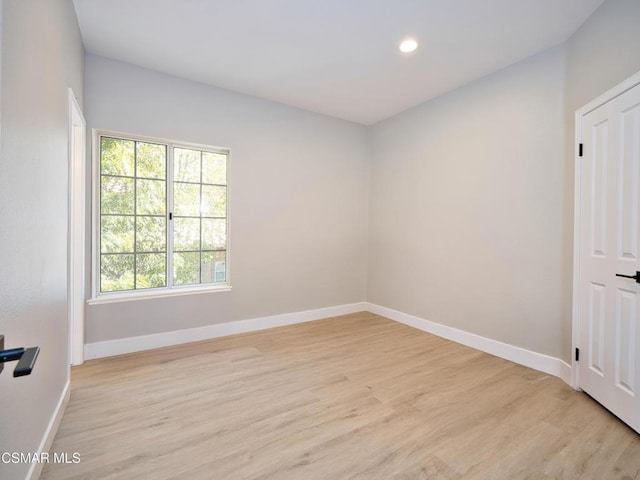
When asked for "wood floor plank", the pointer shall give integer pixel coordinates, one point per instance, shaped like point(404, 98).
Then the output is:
point(353, 397)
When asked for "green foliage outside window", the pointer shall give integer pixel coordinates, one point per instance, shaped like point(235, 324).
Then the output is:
point(134, 221)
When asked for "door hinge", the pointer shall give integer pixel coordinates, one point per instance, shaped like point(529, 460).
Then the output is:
point(577, 354)
point(170, 215)
point(580, 149)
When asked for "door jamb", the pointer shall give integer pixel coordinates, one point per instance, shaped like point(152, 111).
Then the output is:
point(76, 234)
point(616, 91)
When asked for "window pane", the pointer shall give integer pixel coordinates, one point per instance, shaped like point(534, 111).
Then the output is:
point(116, 234)
point(150, 197)
point(151, 234)
point(186, 165)
point(214, 168)
point(186, 234)
point(117, 195)
point(214, 201)
point(134, 227)
point(116, 273)
point(151, 270)
point(186, 268)
point(116, 157)
point(152, 160)
point(214, 267)
point(214, 233)
point(186, 199)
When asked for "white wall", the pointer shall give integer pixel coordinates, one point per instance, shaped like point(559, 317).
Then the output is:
point(472, 193)
point(603, 52)
point(298, 198)
point(470, 204)
point(42, 56)
point(466, 207)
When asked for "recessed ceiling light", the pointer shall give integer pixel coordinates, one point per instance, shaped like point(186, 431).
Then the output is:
point(408, 45)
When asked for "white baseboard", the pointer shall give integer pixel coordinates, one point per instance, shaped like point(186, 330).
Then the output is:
point(47, 440)
point(566, 373)
point(538, 361)
point(165, 339)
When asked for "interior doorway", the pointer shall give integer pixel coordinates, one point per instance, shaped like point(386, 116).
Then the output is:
point(607, 244)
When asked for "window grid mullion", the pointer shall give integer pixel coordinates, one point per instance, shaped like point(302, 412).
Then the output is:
point(200, 216)
point(170, 222)
point(141, 178)
point(188, 182)
point(99, 233)
point(135, 216)
point(143, 215)
point(208, 250)
point(200, 223)
point(151, 252)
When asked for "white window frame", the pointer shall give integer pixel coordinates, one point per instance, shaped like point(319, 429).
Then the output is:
point(170, 290)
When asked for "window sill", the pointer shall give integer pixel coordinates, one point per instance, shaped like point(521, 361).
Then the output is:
point(160, 293)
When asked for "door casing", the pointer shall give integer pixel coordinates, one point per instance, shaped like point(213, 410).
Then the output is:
point(619, 89)
point(76, 231)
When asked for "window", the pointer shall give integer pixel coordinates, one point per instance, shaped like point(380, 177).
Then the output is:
point(162, 215)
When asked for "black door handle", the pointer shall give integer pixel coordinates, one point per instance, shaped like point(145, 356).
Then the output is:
point(26, 358)
point(635, 277)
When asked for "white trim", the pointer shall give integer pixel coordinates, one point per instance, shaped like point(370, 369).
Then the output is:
point(577, 219)
point(110, 297)
point(609, 95)
point(537, 361)
point(165, 339)
point(156, 293)
point(616, 91)
point(566, 373)
point(47, 440)
point(170, 223)
point(95, 212)
point(76, 230)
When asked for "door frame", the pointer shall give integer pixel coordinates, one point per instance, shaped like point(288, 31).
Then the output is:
point(616, 91)
point(76, 260)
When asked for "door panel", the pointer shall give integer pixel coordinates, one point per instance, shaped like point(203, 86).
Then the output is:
point(628, 180)
point(626, 319)
point(596, 328)
point(599, 164)
point(608, 308)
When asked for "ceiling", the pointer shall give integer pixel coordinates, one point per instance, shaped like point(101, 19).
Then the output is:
point(335, 57)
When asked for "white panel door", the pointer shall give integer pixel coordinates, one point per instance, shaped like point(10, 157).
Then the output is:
point(609, 305)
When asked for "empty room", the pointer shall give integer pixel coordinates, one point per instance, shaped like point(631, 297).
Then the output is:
point(332, 240)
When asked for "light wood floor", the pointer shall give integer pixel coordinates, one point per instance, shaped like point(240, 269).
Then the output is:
point(352, 397)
